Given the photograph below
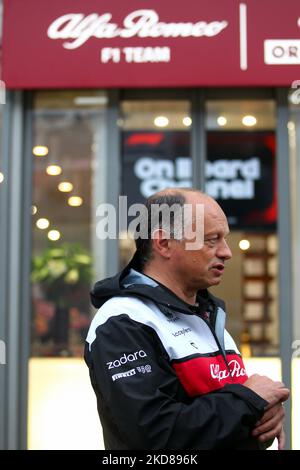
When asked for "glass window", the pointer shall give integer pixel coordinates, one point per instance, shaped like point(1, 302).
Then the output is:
point(241, 175)
point(294, 144)
point(68, 151)
point(156, 152)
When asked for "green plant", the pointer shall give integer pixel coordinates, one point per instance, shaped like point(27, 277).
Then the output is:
point(68, 264)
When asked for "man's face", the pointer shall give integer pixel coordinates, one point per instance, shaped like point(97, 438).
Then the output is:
point(203, 268)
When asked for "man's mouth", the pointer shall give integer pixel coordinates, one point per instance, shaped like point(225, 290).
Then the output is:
point(219, 267)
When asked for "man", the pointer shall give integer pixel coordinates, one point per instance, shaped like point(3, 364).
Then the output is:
point(166, 373)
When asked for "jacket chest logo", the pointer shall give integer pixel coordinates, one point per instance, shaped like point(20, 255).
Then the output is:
point(220, 374)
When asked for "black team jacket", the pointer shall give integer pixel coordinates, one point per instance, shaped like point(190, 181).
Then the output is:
point(167, 375)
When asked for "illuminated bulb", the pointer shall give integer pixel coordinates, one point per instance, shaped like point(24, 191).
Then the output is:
point(42, 224)
point(291, 126)
point(75, 201)
point(53, 170)
point(40, 150)
point(222, 121)
point(33, 210)
point(249, 121)
point(65, 187)
point(53, 235)
point(187, 121)
point(161, 121)
point(244, 245)
point(1, 177)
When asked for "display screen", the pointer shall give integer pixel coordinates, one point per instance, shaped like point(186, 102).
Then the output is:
point(240, 171)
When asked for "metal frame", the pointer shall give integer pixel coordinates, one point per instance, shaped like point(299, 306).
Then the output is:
point(4, 236)
point(285, 278)
point(113, 174)
point(198, 142)
point(156, 94)
point(239, 93)
point(15, 247)
point(26, 248)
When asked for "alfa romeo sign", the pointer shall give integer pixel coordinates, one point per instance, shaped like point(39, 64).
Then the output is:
point(101, 43)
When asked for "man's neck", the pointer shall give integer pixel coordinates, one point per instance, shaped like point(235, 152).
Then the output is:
point(185, 294)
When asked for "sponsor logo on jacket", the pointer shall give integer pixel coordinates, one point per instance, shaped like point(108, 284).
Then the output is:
point(183, 332)
point(236, 370)
point(126, 358)
point(123, 374)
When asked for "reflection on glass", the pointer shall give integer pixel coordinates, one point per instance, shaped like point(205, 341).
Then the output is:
point(66, 133)
point(241, 175)
point(155, 152)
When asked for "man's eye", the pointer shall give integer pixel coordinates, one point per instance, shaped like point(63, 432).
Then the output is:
point(211, 241)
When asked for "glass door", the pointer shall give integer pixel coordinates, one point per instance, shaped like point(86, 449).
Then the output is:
point(241, 176)
point(68, 153)
point(155, 152)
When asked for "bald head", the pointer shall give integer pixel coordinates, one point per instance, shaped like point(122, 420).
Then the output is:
point(169, 199)
point(183, 192)
point(188, 195)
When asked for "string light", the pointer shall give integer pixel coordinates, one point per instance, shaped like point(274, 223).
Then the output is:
point(40, 150)
point(53, 170)
point(65, 186)
point(75, 201)
point(42, 223)
point(54, 235)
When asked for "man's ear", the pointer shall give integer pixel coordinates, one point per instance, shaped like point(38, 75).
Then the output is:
point(161, 243)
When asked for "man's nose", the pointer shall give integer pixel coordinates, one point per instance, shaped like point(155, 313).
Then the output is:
point(224, 251)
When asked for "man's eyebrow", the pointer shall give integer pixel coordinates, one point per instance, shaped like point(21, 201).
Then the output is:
point(211, 234)
point(216, 233)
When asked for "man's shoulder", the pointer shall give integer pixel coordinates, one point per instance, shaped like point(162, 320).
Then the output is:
point(120, 308)
point(118, 305)
point(121, 302)
point(135, 308)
